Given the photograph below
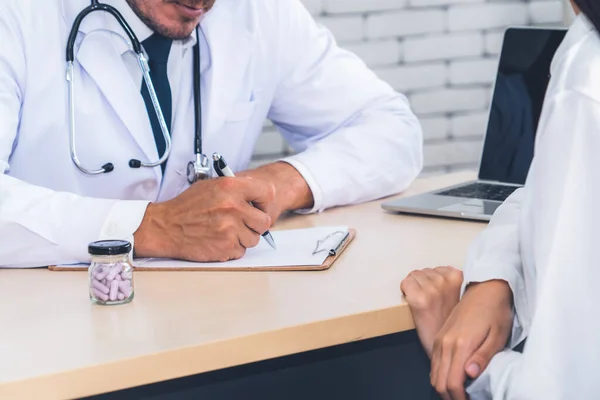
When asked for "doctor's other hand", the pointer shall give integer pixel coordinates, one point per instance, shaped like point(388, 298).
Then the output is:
point(209, 222)
point(477, 329)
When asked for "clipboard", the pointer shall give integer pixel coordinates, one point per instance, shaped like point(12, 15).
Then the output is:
point(334, 252)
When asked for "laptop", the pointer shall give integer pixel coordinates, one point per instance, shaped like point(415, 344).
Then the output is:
point(522, 78)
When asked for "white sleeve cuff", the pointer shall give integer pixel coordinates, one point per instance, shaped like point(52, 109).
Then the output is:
point(123, 220)
point(490, 272)
point(494, 381)
point(312, 184)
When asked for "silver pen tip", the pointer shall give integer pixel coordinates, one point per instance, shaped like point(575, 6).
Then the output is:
point(270, 240)
point(216, 156)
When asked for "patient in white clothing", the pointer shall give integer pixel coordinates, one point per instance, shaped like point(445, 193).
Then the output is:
point(533, 273)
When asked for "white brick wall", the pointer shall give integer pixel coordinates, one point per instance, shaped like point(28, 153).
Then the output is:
point(441, 53)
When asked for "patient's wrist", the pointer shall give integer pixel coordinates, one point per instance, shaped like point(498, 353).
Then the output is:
point(499, 289)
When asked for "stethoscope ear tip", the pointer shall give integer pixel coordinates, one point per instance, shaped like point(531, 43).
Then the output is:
point(135, 163)
point(108, 168)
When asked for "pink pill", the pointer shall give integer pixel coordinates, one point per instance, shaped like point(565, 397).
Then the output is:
point(98, 269)
point(116, 270)
point(125, 287)
point(114, 289)
point(118, 278)
point(102, 273)
point(121, 296)
point(100, 287)
point(126, 275)
point(99, 295)
point(104, 282)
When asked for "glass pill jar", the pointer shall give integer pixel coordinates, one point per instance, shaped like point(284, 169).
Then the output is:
point(110, 273)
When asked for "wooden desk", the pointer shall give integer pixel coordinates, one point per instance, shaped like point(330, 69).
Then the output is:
point(55, 344)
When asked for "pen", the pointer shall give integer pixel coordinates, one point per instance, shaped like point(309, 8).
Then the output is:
point(222, 170)
point(333, 252)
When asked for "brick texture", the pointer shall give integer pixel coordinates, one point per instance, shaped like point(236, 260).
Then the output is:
point(442, 54)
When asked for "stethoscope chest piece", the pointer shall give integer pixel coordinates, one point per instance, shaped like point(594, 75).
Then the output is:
point(199, 169)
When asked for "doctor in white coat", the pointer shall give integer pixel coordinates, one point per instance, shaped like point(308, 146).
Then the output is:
point(534, 272)
point(355, 138)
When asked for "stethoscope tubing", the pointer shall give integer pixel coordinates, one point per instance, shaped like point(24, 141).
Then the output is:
point(145, 68)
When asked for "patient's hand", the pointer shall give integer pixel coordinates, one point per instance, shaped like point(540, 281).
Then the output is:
point(431, 295)
point(477, 329)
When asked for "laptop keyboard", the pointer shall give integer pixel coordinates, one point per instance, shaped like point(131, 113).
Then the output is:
point(483, 191)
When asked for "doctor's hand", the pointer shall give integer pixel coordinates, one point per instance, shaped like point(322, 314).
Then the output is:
point(476, 330)
point(211, 221)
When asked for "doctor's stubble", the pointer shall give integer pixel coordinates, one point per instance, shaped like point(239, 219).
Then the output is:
point(166, 18)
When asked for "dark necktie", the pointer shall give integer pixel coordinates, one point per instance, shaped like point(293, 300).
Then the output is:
point(158, 47)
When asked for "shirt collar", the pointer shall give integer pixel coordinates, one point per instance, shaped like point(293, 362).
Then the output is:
point(580, 27)
point(586, 22)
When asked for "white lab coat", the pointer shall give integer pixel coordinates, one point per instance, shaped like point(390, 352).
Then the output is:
point(357, 139)
point(544, 242)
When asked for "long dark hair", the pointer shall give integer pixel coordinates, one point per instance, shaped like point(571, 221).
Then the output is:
point(591, 9)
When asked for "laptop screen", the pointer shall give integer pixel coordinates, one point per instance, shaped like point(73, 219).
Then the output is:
point(521, 82)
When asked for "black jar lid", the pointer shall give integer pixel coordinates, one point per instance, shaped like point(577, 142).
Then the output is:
point(109, 248)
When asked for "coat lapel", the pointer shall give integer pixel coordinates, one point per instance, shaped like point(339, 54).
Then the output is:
point(229, 41)
point(103, 62)
point(230, 48)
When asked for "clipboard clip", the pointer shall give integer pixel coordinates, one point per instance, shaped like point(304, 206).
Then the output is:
point(332, 249)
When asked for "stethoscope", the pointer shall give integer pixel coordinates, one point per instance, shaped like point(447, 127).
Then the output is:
point(199, 168)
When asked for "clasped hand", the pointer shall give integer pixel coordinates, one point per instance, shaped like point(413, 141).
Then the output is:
point(460, 337)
